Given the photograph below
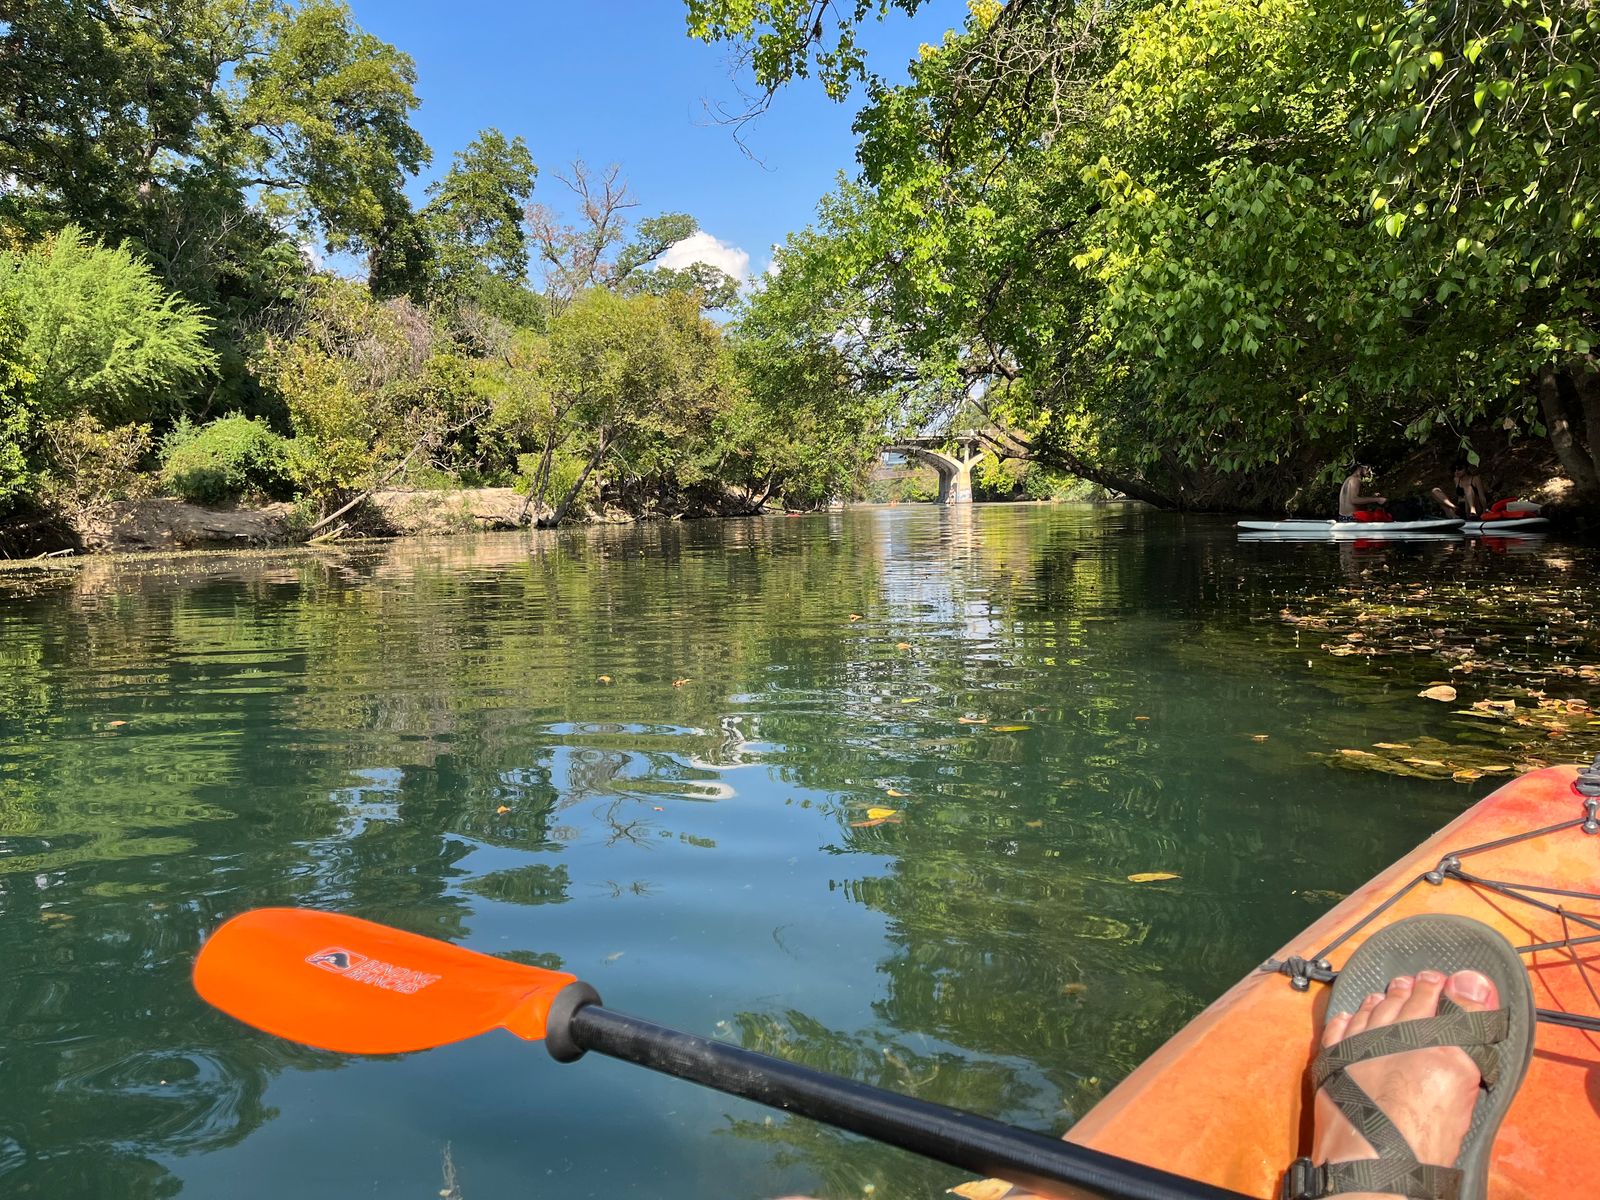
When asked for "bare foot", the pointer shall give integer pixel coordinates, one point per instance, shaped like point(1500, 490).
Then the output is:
point(1429, 1094)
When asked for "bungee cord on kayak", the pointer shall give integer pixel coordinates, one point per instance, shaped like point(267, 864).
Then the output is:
point(1303, 971)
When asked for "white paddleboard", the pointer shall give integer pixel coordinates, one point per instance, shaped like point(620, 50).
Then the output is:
point(1353, 528)
point(1405, 535)
point(1509, 525)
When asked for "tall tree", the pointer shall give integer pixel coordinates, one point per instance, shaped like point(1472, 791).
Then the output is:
point(595, 251)
point(110, 109)
point(474, 214)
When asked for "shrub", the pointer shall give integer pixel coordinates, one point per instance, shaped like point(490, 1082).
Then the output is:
point(103, 334)
point(17, 417)
point(228, 458)
point(90, 465)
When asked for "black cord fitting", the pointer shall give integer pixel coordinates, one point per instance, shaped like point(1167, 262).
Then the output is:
point(1588, 784)
point(1447, 864)
point(1301, 972)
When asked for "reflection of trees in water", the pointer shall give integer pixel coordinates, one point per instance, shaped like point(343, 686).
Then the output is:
point(347, 729)
point(852, 1166)
point(176, 749)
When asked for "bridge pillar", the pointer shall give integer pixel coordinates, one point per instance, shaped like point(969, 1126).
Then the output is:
point(955, 483)
point(955, 470)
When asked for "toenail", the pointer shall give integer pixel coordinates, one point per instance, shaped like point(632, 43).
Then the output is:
point(1430, 977)
point(1472, 986)
point(1400, 984)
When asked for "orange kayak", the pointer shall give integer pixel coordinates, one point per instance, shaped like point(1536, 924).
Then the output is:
point(1225, 1101)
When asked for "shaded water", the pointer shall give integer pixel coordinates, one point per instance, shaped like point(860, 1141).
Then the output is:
point(647, 756)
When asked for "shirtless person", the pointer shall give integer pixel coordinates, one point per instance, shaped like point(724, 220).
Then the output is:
point(1353, 506)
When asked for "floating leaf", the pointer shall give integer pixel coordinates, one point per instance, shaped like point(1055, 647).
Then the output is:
point(1425, 762)
point(1441, 691)
point(1008, 728)
point(882, 814)
point(855, 616)
point(1259, 737)
point(1342, 651)
point(502, 810)
point(1466, 775)
point(895, 792)
point(902, 645)
point(973, 720)
point(983, 1189)
point(1034, 824)
point(911, 700)
point(871, 821)
point(1358, 753)
point(679, 682)
point(604, 679)
point(1141, 718)
point(1151, 876)
point(115, 724)
point(1392, 745)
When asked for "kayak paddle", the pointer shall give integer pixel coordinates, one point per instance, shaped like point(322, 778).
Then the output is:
point(341, 983)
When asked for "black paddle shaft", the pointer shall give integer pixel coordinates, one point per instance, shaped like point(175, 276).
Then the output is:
point(577, 1023)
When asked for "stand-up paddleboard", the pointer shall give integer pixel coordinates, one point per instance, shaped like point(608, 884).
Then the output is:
point(1353, 528)
point(1322, 536)
point(1226, 1100)
point(1507, 525)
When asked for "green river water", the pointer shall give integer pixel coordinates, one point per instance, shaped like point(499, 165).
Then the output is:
point(647, 755)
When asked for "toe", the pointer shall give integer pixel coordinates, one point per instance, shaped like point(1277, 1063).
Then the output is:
point(1359, 1018)
point(1472, 991)
point(1424, 998)
point(1388, 1010)
point(1334, 1031)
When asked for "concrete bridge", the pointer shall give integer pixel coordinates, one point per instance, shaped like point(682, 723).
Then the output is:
point(955, 470)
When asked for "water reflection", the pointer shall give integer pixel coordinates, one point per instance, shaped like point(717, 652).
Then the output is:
point(648, 756)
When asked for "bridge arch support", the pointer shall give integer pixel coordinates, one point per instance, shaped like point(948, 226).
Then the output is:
point(955, 470)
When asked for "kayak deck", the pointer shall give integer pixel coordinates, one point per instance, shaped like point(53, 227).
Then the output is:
point(1226, 1100)
point(1352, 528)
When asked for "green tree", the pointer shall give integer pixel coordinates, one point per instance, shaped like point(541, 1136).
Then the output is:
point(17, 414)
point(474, 214)
point(358, 379)
point(642, 377)
point(102, 335)
point(1483, 125)
point(109, 107)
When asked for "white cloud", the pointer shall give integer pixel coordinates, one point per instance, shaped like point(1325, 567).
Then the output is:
point(702, 247)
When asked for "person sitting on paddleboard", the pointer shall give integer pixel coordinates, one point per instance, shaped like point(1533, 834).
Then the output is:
point(1470, 502)
point(1353, 506)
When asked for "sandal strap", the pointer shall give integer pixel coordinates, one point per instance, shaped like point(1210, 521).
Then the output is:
point(1369, 1120)
point(1476, 1033)
point(1306, 1180)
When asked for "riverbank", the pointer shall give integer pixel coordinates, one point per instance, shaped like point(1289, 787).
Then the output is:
point(168, 524)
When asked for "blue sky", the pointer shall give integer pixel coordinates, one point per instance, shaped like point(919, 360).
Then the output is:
point(621, 81)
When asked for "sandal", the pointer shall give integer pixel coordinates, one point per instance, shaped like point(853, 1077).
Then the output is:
point(1500, 1042)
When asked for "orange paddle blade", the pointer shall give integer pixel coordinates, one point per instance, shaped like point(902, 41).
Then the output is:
point(345, 984)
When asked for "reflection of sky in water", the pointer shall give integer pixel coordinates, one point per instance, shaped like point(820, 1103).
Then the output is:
point(648, 756)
